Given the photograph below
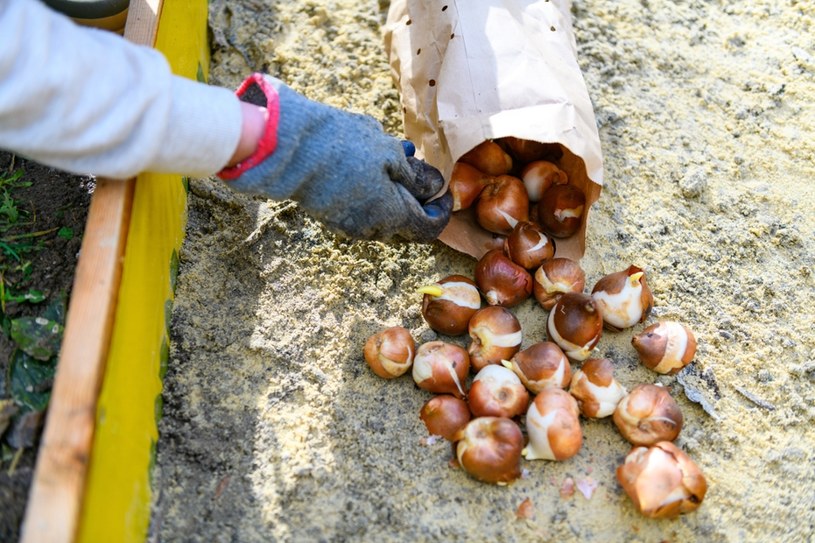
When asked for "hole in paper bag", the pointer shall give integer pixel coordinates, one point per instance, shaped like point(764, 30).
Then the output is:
point(419, 51)
point(444, 8)
point(432, 82)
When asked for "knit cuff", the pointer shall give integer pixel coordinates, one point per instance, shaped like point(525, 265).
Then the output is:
point(257, 90)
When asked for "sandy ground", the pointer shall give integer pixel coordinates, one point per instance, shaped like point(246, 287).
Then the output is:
point(274, 428)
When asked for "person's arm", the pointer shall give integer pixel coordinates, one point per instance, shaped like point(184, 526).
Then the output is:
point(87, 101)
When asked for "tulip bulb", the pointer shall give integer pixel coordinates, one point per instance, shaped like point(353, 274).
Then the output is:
point(444, 415)
point(390, 352)
point(496, 336)
point(596, 390)
point(540, 366)
point(539, 176)
point(554, 278)
point(529, 151)
point(665, 347)
point(575, 324)
point(488, 157)
point(441, 368)
point(624, 298)
point(502, 204)
point(528, 245)
point(448, 305)
point(560, 210)
point(502, 281)
point(489, 449)
point(553, 426)
point(648, 414)
point(466, 183)
point(662, 480)
point(497, 392)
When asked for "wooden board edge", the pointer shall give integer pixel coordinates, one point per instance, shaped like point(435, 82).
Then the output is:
point(56, 495)
point(56, 491)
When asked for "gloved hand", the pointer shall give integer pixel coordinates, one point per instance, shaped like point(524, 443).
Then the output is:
point(340, 167)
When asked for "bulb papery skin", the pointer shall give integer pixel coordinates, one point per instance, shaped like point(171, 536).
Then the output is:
point(442, 368)
point(541, 365)
point(665, 347)
point(496, 336)
point(662, 481)
point(596, 390)
point(466, 184)
point(528, 245)
point(444, 415)
point(497, 392)
point(556, 277)
point(502, 281)
point(648, 414)
point(525, 151)
point(489, 158)
point(449, 313)
point(502, 204)
point(575, 323)
point(489, 449)
point(553, 426)
point(624, 298)
point(561, 210)
point(538, 176)
point(390, 352)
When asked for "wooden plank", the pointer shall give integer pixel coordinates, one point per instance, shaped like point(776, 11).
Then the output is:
point(56, 496)
point(62, 462)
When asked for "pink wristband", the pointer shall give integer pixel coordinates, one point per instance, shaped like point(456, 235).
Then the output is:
point(268, 142)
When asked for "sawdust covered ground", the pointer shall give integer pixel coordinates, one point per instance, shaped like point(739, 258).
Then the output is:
point(274, 428)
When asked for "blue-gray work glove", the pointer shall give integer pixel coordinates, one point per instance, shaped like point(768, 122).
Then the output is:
point(340, 167)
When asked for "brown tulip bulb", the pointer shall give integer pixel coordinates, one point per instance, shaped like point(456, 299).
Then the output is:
point(560, 210)
point(524, 150)
point(596, 390)
point(466, 183)
point(444, 415)
point(555, 277)
point(488, 157)
point(448, 305)
point(528, 246)
point(539, 176)
point(441, 368)
point(541, 365)
point(390, 352)
point(624, 298)
point(489, 449)
point(553, 426)
point(648, 414)
point(662, 480)
point(496, 336)
point(497, 392)
point(575, 324)
point(502, 204)
point(665, 347)
point(502, 281)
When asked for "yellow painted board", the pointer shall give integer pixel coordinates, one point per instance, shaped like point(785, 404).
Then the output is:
point(117, 496)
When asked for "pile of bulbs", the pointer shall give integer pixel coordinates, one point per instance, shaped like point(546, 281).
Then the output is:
point(510, 180)
point(527, 403)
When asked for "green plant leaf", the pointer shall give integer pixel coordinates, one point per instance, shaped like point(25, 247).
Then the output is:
point(32, 296)
point(66, 233)
point(38, 337)
point(55, 311)
point(31, 381)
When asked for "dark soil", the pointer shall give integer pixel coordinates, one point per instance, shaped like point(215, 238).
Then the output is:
point(54, 200)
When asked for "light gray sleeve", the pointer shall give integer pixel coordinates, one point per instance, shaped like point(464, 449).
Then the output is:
point(89, 102)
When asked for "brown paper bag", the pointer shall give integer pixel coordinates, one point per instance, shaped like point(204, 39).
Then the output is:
point(474, 70)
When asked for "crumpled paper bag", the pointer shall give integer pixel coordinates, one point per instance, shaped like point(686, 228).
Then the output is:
point(473, 70)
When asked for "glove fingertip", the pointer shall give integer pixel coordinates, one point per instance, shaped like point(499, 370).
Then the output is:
point(409, 147)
